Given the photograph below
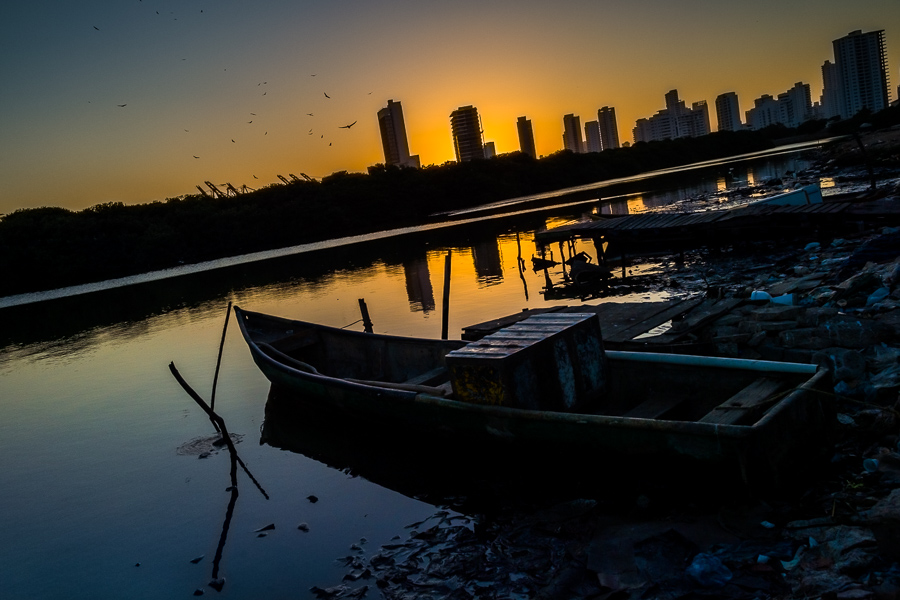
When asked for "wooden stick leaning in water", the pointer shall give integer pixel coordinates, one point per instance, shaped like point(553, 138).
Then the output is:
point(212, 399)
point(217, 420)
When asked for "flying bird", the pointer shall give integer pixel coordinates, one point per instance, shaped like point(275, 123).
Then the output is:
point(310, 114)
point(196, 156)
point(232, 141)
point(347, 126)
point(97, 28)
point(255, 177)
point(121, 105)
point(326, 95)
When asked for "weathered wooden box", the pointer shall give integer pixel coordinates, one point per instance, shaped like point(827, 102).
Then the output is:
point(551, 361)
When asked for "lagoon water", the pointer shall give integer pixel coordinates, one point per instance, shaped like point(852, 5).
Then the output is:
point(97, 501)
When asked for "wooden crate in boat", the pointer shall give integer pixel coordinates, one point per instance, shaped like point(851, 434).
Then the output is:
point(551, 361)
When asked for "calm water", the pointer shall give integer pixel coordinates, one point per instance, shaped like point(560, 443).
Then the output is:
point(91, 482)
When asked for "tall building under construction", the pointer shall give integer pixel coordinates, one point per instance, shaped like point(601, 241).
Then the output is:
point(468, 139)
point(393, 136)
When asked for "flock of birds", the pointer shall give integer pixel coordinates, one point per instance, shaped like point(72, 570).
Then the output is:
point(311, 131)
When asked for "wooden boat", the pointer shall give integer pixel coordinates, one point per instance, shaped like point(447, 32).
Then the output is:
point(762, 422)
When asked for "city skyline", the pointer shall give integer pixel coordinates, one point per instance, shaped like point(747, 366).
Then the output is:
point(142, 101)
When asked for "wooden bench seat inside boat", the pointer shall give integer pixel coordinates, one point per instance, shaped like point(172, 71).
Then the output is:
point(747, 404)
point(654, 408)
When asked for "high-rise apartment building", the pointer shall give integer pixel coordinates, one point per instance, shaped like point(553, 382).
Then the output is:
point(468, 140)
point(791, 109)
point(609, 129)
point(393, 136)
point(572, 134)
point(765, 112)
point(728, 112)
point(860, 61)
point(526, 137)
point(674, 121)
point(831, 91)
point(592, 137)
point(795, 105)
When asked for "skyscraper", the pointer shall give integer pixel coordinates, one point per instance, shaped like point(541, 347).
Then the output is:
point(465, 125)
point(728, 112)
point(795, 105)
point(861, 64)
point(572, 134)
point(674, 121)
point(592, 137)
point(609, 129)
point(831, 92)
point(765, 112)
point(526, 137)
point(393, 136)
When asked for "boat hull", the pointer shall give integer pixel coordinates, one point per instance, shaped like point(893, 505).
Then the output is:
point(789, 439)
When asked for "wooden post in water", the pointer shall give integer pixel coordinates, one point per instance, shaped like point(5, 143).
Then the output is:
point(446, 303)
point(364, 310)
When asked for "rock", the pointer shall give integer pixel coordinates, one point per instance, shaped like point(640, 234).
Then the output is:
point(816, 315)
point(884, 520)
point(848, 332)
point(818, 583)
point(777, 313)
point(757, 338)
point(844, 364)
point(807, 338)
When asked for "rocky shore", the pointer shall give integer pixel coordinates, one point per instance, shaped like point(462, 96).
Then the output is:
point(836, 304)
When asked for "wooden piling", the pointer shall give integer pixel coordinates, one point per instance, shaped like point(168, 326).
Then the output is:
point(445, 307)
point(364, 311)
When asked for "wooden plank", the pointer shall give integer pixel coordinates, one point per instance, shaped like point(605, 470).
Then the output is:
point(655, 320)
point(748, 401)
point(653, 408)
point(479, 330)
point(709, 310)
point(429, 376)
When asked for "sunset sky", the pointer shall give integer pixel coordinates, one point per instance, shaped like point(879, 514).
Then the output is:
point(231, 83)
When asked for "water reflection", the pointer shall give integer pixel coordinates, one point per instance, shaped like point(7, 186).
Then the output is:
point(488, 262)
point(438, 470)
point(419, 290)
